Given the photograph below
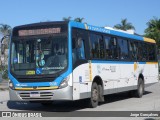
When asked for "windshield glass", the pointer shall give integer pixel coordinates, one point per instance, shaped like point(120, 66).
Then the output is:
point(39, 56)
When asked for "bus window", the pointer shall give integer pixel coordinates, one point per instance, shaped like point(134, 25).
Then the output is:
point(140, 51)
point(122, 49)
point(144, 52)
point(107, 39)
point(112, 45)
point(133, 50)
point(101, 47)
point(97, 46)
point(78, 45)
point(151, 52)
point(94, 46)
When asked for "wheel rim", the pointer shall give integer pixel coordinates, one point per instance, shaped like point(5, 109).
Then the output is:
point(95, 95)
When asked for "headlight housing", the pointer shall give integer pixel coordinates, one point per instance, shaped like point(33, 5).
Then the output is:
point(10, 84)
point(64, 83)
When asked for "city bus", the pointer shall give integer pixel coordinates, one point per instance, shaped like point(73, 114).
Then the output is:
point(68, 60)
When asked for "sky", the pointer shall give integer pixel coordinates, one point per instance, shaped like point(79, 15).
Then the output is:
point(96, 12)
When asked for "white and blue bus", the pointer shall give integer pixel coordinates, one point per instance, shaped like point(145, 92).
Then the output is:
point(70, 61)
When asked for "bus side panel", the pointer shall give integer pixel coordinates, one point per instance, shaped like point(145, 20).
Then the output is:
point(80, 81)
point(127, 75)
point(153, 72)
point(148, 70)
point(109, 72)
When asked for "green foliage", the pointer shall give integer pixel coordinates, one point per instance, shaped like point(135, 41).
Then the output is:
point(67, 18)
point(4, 71)
point(124, 25)
point(153, 30)
point(5, 30)
point(78, 19)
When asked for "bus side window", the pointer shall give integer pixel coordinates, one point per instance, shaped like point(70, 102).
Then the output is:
point(78, 45)
point(113, 53)
point(151, 52)
point(100, 47)
point(140, 51)
point(94, 46)
point(107, 39)
point(144, 52)
point(123, 49)
point(133, 50)
point(97, 46)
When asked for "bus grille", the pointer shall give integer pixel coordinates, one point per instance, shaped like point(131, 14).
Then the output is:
point(34, 79)
point(43, 96)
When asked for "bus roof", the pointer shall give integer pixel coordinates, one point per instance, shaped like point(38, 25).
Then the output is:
point(110, 31)
point(40, 24)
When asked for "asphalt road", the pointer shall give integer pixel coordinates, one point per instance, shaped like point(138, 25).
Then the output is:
point(116, 102)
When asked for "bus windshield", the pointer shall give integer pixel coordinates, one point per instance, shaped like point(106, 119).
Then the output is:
point(44, 55)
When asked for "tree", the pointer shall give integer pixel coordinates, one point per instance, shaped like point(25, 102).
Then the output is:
point(78, 19)
point(124, 25)
point(153, 30)
point(5, 30)
point(67, 18)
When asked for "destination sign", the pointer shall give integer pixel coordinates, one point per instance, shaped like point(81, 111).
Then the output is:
point(39, 31)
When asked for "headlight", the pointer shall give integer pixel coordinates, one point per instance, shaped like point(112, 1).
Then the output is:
point(64, 83)
point(11, 85)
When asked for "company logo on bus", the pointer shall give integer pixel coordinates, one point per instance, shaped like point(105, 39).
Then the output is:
point(39, 31)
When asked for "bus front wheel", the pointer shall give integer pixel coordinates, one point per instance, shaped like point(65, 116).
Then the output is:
point(94, 95)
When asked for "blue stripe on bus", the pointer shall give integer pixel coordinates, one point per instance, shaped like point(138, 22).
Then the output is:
point(104, 30)
point(142, 62)
point(55, 82)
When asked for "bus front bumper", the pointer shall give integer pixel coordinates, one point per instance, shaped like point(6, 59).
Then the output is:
point(41, 95)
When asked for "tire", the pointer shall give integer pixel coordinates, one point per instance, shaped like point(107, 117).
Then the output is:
point(101, 96)
point(93, 102)
point(140, 88)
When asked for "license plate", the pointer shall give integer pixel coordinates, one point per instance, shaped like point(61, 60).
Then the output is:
point(34, 95)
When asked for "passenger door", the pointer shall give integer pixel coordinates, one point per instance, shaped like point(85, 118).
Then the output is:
point(80, 64)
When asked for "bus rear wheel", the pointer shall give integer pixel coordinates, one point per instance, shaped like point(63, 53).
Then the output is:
point(140, 89)
point(94, 95)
